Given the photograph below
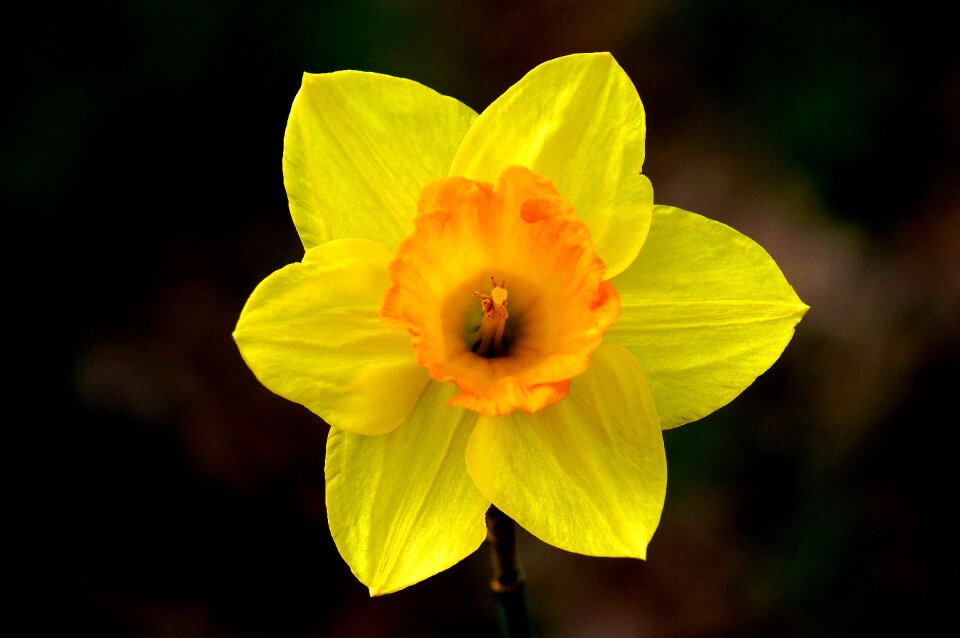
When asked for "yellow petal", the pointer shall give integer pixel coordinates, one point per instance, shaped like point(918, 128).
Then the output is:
point(401, 506)
point(588, 474)
point(311, 332)
point(358, 149)
point(705, 310)
point(578, 121)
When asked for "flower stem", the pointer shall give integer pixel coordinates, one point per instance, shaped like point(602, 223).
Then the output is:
point(508, 583)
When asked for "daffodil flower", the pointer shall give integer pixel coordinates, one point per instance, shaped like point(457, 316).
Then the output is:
point(491, 310)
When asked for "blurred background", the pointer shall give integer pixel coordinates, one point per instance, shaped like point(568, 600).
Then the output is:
point(158, 490)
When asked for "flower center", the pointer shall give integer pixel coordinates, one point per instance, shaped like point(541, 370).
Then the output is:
point(522, 230)
point(489, 341)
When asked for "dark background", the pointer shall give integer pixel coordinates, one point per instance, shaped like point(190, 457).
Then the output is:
point(156, 489)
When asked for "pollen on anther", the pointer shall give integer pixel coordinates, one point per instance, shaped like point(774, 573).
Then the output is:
point(489, 339)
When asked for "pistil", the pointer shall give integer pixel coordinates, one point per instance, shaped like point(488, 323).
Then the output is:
point(494, 321)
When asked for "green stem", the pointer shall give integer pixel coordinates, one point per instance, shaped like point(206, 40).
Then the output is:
point(508, 583)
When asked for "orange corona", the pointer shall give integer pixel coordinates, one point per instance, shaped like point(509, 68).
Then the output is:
point(560, 305)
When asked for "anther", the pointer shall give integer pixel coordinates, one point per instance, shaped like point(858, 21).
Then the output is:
point(494, 320)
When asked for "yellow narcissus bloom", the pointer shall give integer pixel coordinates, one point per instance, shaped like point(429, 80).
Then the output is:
point(491, 310)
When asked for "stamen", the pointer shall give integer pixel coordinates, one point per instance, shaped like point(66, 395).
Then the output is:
point(494, 320)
